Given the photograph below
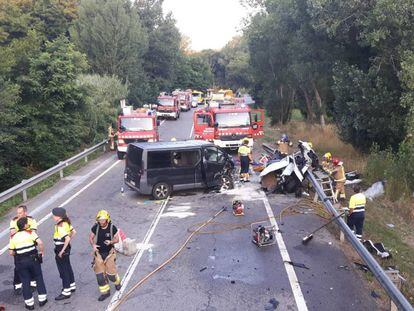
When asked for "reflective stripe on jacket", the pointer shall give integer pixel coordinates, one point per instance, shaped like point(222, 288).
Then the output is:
point(23, 243)
point(357, 203)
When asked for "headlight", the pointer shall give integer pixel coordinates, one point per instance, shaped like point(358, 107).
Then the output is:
point(151, 140)
point(121, 141)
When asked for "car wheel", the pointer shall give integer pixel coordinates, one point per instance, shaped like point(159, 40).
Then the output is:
point(226, 182)
point(120, 155)
point(161, 191)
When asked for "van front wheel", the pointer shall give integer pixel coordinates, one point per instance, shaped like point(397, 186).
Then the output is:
point(161, 191)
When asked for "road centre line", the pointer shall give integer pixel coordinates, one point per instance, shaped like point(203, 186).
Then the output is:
point(192, 130)
point(135, 261)
point(293, 280)
point(70, 199)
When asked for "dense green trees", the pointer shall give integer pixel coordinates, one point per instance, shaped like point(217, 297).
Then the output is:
point(65, 64)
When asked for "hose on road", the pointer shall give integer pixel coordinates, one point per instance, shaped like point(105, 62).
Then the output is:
point(302, 207)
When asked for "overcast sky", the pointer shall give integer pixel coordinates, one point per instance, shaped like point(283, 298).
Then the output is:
point(209, 24)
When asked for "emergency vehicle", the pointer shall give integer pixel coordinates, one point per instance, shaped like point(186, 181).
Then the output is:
point(184, 99)
point(197, 98)
point(227, 126)
point(136, 126)
point(168, 107)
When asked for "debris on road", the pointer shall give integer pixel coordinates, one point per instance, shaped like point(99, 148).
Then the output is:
point(377, 248)
point(391, 225)
point(362, 267)
point(271, 305)
point(238, 208)
point(202, 269)
point(375, 294)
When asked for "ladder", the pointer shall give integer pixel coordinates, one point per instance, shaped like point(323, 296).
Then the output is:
point(326, 184)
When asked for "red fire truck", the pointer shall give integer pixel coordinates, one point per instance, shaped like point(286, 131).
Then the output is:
point(184, 99)
point(226, 127)
point(136, 126)
point(168, 107)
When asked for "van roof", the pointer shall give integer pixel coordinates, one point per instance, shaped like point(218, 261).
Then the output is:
point(165, 145)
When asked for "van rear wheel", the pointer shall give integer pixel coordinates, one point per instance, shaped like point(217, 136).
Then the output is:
point(120, 155)
point(161, 191)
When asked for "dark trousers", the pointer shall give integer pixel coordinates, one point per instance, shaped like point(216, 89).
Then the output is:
point(16, 278)
point(65, 273)
point(356, 223)
point(29, 269)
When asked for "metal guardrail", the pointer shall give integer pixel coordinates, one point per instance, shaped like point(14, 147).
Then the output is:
point(396, 296)
point(25, 184)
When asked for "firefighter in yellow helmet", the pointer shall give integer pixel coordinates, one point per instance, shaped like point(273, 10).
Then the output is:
point(111, 137)
point(338, 174)
point(327, 165)
point(245, 157)
point(102, 237)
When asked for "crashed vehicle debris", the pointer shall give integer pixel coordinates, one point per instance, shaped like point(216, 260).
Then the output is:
point(163, 167)
point(286, 175)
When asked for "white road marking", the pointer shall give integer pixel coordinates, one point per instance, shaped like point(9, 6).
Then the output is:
point(191, 132)
point(61, 193)
point(293, 280)
point(135, 261)
point(162, 122)
point(71, 198)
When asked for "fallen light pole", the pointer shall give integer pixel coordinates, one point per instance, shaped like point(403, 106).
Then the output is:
point(396, 296)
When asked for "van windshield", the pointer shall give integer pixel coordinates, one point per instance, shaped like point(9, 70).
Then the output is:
point(166, 102)
point(233, 119)
point(136, 124)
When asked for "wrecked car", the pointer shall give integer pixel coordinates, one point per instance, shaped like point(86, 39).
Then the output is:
point(160, 168)
point(287, 174)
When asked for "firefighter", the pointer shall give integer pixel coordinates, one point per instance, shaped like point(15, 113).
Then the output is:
point(27, 260)
point(284, 143)
point(356, 215)
point(338, 174)
point(327, 162)
point(111, 137)
point(245, 157)
point(62, 236)
point(21, 212)
point(102, 237)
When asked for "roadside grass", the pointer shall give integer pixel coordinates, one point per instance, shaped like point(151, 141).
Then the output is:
point(400, 239)
point(45, 184)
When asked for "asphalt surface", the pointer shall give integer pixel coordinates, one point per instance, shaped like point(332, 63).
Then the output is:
point(221, 270)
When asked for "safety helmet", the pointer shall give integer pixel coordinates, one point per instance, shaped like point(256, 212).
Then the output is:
point(285, 137)
point(245, 141)
point(327, 156)
point(336, 161)
point(103, 215)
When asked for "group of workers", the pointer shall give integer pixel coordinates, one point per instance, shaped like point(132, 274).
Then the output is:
point(28, 251)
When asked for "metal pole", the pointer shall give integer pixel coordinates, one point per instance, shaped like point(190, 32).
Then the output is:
point(396, 296)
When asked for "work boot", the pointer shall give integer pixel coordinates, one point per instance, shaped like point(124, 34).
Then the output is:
point(62, 297)
point(118, 286)
point(104, 296)
point(29, 307)
point(42, 303)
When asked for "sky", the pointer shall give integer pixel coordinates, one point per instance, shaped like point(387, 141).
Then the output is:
point(209, 24)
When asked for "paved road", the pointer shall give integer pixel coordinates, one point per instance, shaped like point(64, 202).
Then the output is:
point(220, 271)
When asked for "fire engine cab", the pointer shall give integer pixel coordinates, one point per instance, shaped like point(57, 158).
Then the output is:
point(184, 99)
point(168, 107)
point(226, 127)
point(136, 126)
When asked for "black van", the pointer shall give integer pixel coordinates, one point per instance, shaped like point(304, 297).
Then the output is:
point(161, 167)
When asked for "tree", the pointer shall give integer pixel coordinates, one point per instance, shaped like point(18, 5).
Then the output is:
point(110, 33)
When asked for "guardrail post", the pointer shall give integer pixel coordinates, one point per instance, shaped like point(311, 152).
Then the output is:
point(24, 192)
point(61, 174)
point(86, 157)
point(394, 276)
point(104, 148)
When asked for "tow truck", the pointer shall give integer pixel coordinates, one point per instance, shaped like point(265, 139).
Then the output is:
point(168, 107)
point(138, 125)
point(227, 126)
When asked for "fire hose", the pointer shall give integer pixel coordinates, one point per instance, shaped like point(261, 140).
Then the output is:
point(290, 210)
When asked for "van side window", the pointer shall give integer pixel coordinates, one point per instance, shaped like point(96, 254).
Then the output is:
point(186, 158)
point(211, 154)
point(159, 159)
